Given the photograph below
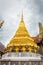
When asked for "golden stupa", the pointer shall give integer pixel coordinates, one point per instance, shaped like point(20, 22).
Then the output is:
point(22, 42)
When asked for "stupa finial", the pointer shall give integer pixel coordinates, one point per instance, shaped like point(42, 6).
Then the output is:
point(22, 16)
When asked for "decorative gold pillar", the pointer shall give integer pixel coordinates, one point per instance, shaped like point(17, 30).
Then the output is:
point(30, 49)
point(16, 49)
point(23, 48)
point(35, 51)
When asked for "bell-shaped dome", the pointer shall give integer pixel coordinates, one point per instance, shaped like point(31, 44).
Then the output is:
point(2, 48)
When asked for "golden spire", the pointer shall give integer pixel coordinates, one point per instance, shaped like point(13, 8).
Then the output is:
point(40, 28)
point(22, 16)
point(22, 20)
point(22, 40)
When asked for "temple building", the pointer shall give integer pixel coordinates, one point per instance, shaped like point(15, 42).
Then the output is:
point(21, 50)
point(39, 38)
point(2, 48)
point(40, 35)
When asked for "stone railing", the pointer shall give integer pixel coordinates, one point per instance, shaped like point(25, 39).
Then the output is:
point(21, 55)
point(21, 59)
point(23, 62)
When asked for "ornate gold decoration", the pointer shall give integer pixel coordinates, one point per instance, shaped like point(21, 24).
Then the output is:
point(22, 41)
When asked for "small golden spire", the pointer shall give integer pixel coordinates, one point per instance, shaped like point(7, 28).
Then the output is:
point(40, 28)
point(22, 16)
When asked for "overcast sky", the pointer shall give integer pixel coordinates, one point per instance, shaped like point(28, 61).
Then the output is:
point(10, 12)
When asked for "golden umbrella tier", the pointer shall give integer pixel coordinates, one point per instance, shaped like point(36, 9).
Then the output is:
point(22, 41)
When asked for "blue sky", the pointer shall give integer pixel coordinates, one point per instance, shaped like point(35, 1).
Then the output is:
point(10, 12)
